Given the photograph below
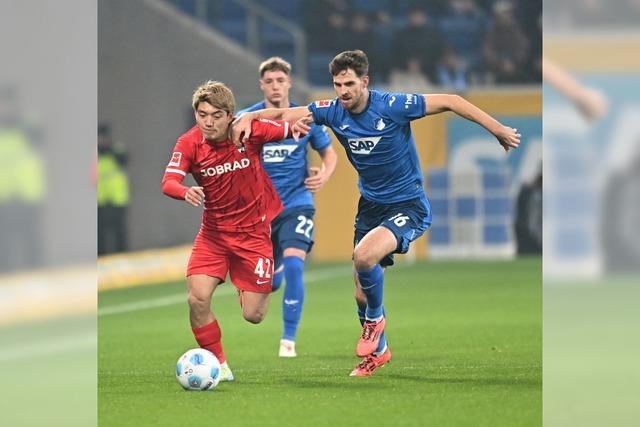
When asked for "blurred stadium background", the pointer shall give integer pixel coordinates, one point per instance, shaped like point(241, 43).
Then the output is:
point(591, 251)
point(48, 119)
point(152, 53)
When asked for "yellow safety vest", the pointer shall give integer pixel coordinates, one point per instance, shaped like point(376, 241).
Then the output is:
point(113, 184)
point(22, 170)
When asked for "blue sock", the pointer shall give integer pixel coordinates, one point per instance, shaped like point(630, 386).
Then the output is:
point(277, 280)
point(371, 283)
point(362, 318)
point(293, 296)
point(361, 314)
point(383, 337)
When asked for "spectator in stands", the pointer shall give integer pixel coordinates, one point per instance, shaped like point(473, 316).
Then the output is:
point(452, 71)
point(113, 193)
point(410, 79)
point(506, 47)
point(419, 41)
point(535, 58)
point(22, 186)
point(325, 23)
point(463, 25)
point(361, 36)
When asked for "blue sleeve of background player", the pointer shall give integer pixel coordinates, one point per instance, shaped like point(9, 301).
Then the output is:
point(319, 137)
point(404, 107)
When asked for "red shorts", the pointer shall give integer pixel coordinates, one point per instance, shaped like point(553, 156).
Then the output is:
point(247, 257)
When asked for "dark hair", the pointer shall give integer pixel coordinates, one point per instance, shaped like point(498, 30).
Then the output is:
point(353, 59)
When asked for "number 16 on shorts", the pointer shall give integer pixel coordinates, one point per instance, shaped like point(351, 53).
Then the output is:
point(399, 219)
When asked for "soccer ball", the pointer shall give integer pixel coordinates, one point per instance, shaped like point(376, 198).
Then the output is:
point(198, 369)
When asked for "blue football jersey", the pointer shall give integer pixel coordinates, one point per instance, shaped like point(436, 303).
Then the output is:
point(286, 162)
point(379, 143)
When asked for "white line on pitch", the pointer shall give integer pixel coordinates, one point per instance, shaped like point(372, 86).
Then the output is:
point(313, 276)
point(31, 350)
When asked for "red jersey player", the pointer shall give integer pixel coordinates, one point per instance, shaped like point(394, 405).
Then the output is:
point(239, 204)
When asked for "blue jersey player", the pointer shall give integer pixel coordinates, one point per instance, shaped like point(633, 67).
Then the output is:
point(286, 163)
point(374, 128)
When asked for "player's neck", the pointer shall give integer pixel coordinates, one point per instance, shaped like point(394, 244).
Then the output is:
point(282, 104)
point(363, 105)
point(218, 140)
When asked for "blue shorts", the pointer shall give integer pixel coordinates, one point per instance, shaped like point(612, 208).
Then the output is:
point(293, 228)
point(407, 220)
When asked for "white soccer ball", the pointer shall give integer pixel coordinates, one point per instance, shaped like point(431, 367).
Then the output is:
point(198, 369)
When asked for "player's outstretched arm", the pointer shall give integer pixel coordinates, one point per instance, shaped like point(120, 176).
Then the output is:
point(507, 137)
point(591, 102)
point(241, 128)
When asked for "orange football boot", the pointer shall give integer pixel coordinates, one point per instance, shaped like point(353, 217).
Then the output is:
point(370, 338)
point(369, 364)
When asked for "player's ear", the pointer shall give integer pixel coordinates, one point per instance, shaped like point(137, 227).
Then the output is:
point(365, 81)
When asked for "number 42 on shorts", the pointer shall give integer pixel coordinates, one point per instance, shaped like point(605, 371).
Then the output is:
point(263, 268)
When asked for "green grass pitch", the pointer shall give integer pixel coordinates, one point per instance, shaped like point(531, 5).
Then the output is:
point(466, 342)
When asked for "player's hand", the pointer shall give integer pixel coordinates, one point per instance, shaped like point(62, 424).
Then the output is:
point(194, 196)
point(316, 180)
point(302, 126)
point(592, 104)
point(508, 137)
point(241, 129)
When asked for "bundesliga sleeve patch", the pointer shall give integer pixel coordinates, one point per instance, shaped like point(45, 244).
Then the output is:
point(323, 103)
point(175, 159)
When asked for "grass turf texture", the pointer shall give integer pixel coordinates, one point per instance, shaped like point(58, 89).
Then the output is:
point(465, 339)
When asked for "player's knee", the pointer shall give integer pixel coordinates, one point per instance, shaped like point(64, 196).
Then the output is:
point(254, 316)
point(198, 302)
point(364, 259)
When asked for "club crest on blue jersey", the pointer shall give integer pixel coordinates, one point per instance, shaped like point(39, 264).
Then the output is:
point(379, 124)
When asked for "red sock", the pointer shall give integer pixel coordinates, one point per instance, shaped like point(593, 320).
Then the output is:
point(209, 337)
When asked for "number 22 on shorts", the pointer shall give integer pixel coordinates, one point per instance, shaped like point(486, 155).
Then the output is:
point(305, 225)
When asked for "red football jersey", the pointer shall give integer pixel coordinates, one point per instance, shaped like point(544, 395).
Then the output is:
point(239, 195)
